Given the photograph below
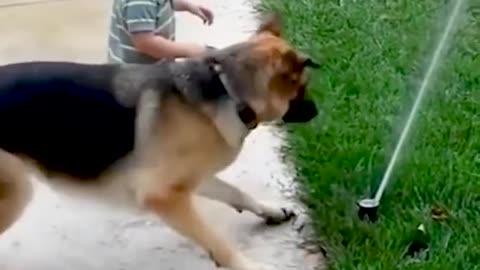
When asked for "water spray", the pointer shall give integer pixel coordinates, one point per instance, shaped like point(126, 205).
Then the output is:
point(368, 207)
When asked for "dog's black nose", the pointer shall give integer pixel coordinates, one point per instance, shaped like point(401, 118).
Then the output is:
point(300, 111)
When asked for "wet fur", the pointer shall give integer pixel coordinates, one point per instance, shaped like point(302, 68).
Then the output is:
point(185, 133)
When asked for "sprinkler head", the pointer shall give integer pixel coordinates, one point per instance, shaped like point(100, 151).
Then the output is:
point(368, 208)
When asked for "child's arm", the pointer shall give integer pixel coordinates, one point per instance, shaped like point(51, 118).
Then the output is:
point(140, 19)
point(181, 5)
point(160, 47)
point(202, 12)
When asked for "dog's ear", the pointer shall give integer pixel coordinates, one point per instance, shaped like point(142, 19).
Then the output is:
point(272, 24)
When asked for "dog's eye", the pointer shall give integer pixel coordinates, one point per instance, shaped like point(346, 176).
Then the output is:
point(288, 78)
point(294, 79)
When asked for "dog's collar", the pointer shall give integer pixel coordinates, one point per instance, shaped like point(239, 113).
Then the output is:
point(246, 114)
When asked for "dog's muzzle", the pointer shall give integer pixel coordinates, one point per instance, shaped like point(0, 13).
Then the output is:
point(300, 111)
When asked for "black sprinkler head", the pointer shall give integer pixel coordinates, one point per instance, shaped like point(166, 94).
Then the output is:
point(368, 208)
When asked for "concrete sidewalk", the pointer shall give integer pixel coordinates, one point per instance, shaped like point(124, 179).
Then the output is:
point(57, 233)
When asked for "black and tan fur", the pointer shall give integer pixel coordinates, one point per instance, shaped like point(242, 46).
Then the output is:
point(149, 136)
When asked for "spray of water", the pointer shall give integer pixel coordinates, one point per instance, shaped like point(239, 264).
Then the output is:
point(437, 54)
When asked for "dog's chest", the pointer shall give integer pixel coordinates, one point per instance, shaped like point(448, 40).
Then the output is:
point(229, 125)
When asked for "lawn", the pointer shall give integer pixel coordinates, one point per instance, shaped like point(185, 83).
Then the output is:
point(375, 53)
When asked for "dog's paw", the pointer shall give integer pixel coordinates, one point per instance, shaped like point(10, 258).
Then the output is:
point(255, 266)
point(240, 262)
point(263, 267)
point(276, 214)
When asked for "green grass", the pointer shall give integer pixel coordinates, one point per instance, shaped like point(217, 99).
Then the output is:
point(375, 53)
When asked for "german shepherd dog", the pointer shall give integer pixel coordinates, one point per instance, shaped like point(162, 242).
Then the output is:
point(150, 136)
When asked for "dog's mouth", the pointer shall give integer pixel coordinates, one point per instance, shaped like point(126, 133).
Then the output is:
point(300, 111)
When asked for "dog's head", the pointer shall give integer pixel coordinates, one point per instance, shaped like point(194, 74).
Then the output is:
point(267, 74)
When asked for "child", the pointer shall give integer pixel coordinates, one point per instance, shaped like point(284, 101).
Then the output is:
point(143, 31)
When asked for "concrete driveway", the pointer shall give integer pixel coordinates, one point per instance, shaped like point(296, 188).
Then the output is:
point(57, 233)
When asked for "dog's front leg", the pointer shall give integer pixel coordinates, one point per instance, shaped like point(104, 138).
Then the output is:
point(177, 210)
point(16, 189)
point(222, 191)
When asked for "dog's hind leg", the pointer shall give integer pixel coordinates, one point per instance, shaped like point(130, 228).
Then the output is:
point(15, 189)
point(222, 191)
point(177, 210)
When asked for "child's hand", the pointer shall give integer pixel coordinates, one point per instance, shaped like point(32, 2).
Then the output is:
point(195, 50)
point(202, 12)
